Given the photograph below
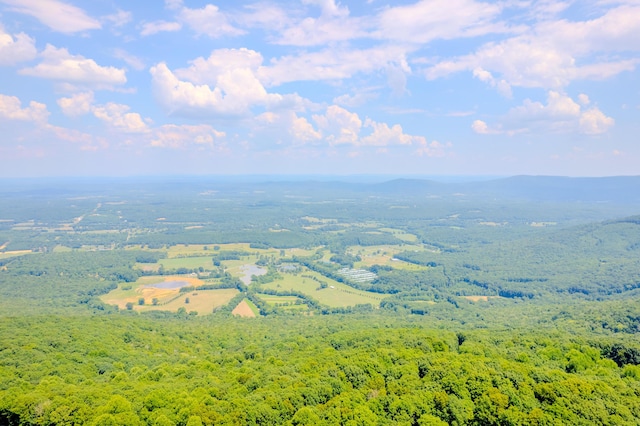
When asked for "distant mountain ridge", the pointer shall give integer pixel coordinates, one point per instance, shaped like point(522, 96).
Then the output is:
point(616, 189)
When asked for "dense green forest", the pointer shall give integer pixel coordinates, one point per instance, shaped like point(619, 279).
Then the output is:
point(506, 302)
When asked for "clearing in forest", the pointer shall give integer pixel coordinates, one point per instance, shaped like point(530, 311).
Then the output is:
point(335, 294)
point(244, 310)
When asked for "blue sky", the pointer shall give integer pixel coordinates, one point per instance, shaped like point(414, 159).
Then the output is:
point(432, 87)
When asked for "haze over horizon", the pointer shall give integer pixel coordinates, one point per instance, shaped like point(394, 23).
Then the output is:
point(319, 87)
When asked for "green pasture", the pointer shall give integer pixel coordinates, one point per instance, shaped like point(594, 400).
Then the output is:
point(272, 300)
point(340, 295)
point(187, 262)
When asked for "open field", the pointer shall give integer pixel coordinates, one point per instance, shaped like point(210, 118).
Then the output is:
point(340, 295)
point(187, 262)
point(285, 303)
point(274, 300)
point(244, 309)
point(401, 235)
point(384, 255)
point(133, 292)
point(202, 301)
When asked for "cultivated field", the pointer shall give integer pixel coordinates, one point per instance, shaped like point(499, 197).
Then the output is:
point(244, 309)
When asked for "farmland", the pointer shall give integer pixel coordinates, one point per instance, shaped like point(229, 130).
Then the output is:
point(290, 305)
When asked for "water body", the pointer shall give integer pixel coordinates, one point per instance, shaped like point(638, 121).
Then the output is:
point(249, 270)
point(169, 285)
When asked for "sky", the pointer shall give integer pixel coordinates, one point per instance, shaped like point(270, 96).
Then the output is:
point(431, 87)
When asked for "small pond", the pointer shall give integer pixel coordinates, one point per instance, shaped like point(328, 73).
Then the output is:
point(249, 270)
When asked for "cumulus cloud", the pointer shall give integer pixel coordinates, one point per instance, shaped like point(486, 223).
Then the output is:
point(339, 126)
point(225, 84)
point(556, 52)
point(383, 135)
point(11, 109)
point(15, 49)
point(59, 64)
point(118, 117)
point(59, 16)
point(559, 114)
point(594, 122)
point(298, 130)
point(76, 105)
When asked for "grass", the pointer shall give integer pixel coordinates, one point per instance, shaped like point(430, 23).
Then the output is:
point(187, 262)
point(274, 300)
point(340, 295)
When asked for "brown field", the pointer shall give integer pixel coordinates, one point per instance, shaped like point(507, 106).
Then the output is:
point(121, 297)
point(244, 310)
point(203, 302)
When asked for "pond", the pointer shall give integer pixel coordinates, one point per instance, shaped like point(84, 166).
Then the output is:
point(169, 285)
point(249, 270)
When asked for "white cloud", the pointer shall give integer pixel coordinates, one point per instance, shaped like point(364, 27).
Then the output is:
point(16, 49)
point(594, 122)
point(224, 84)
point(501, 86)
point(76, 105)
point(560, 114)
point(583, 99)
point(339, 126)
point(480, 127)
point(331, 64)
point(299, 131)
point(118, 117)
point(432, 149)
point(131, 60)
point(86, 141)
point(11, 109)
point(220, 62)
point(383, 135)
point(120, 18)
point(333, 25)
point(181, 136)
point(268, 16)
point(59, 64)
point(59, 16)
point(355, 100)
point(429, 20)
point(173, 4)
point(208, 21)
point(150, 28)
point(555, 52)
point(187, 98)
